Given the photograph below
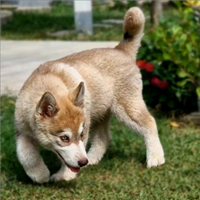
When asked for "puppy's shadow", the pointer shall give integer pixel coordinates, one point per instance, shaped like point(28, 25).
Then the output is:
point(62, 184)
point(137, 154)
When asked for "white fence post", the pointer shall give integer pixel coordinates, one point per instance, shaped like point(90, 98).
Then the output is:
point(83, 16)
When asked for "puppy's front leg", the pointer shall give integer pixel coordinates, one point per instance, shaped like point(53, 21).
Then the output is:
point(29, 157)
point(63, 174)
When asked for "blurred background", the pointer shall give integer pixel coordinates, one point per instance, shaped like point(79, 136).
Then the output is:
point(169, 53)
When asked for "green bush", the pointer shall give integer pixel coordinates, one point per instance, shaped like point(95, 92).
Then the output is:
point(173, 49)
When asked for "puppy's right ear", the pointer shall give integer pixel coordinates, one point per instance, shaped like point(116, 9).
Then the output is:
point(77, 96)
point(47, 106)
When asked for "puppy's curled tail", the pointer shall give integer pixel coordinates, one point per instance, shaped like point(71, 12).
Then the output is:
point(134, 21)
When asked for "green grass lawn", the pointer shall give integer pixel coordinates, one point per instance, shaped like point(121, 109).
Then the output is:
point(121, 174)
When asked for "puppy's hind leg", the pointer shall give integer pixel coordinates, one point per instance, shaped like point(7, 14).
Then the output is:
point(100, 138)
point(29, 157)
point(133, 113)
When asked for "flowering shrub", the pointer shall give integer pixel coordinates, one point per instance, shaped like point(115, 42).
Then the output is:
point(148, 67)
point(169, 62)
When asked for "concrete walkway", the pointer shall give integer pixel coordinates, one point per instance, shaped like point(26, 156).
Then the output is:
point(20, 58)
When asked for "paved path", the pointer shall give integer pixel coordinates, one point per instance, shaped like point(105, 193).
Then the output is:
point(20, 58)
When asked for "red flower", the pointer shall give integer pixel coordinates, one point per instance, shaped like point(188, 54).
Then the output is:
point(157, 82)
point(141, 64)
point(149, 67)
point(163, 85)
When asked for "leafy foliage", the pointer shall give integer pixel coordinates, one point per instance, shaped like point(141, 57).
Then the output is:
point(174, 50)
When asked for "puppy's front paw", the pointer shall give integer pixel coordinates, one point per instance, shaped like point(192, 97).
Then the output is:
point(39, 175)
point(67, 175)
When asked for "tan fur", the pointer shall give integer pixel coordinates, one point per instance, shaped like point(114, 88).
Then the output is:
point(84, 89)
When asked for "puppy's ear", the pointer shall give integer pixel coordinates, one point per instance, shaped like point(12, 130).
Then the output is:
point(47, 106)
point(77, 96)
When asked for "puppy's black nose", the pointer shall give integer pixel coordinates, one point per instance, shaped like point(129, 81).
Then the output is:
point(83, 162)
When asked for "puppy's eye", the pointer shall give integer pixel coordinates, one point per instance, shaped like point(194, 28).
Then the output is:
point(82, 134)
point(64, 138)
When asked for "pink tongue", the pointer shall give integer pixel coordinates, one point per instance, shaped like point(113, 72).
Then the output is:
point(74, 169)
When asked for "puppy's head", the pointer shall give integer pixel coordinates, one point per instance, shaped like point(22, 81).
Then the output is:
point(60, 123)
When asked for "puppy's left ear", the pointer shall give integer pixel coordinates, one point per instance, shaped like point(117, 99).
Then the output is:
point(77, 96)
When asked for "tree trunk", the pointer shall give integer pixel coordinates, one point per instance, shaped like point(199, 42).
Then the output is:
point(156, 12)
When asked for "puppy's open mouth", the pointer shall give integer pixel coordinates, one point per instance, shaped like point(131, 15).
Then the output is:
point(73, 169)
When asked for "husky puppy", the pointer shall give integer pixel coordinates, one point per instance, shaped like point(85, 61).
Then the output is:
point(63, 99)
